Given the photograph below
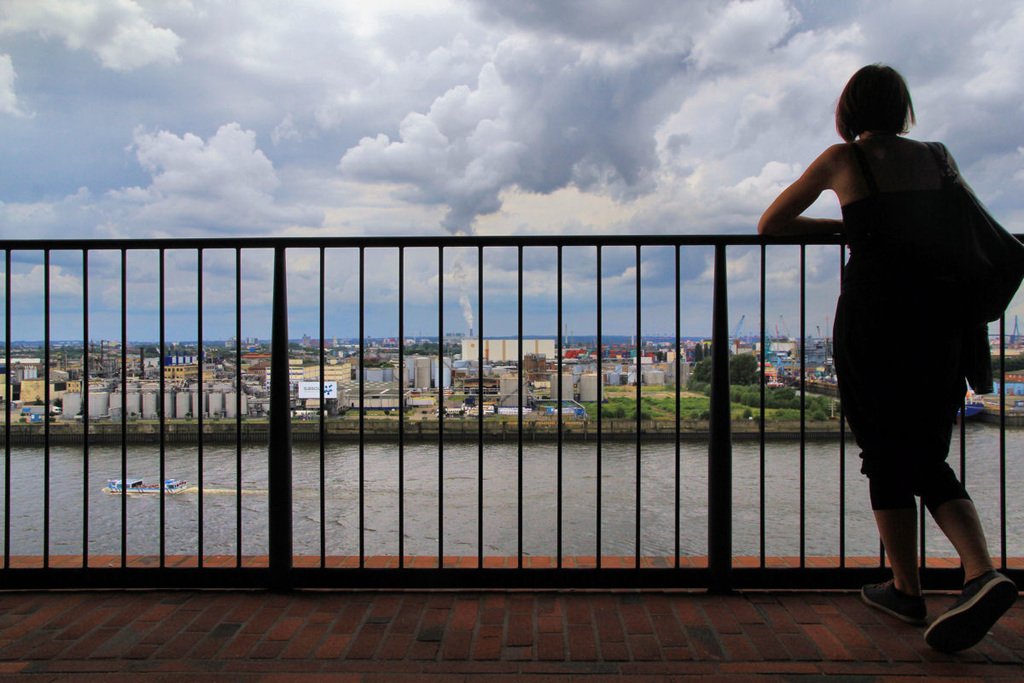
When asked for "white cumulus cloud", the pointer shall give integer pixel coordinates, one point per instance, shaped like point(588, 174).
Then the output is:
point(8, 98)
point(222, 185)
point(742, 32)
point(117, 31)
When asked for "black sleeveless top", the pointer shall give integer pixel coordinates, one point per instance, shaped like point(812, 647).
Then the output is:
point(898, 240)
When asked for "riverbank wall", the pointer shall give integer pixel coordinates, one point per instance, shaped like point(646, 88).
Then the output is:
point(375, 430)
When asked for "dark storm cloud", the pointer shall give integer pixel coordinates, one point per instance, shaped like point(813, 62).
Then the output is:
point(541, 116)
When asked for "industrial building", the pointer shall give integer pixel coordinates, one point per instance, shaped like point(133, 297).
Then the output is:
point(507, 349)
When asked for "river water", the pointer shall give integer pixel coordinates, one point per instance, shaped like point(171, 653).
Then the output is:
point(423, 495)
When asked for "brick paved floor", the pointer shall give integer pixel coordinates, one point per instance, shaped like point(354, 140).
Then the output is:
point(455, 636)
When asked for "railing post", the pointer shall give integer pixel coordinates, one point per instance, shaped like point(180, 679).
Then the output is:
point(720, 438)
point(279, 472)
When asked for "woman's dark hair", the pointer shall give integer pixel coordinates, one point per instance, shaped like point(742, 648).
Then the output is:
point(875, 100)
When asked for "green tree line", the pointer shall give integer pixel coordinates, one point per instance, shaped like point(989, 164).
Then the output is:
point(745, 390)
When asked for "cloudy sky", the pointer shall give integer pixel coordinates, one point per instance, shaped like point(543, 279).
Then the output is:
point(204, 118)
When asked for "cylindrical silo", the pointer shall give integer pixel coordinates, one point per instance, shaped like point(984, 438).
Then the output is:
point(567, 385)
point(230, 399)
point(133, 404)
point(99, 403)
point(215, 402)
point(183, 404)
point(588, 387)
point(422, 374)
point(116, 405)
point(149, 406)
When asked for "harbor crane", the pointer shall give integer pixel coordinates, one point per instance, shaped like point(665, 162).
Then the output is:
point(739, 326)
point(736, 333)
point(782, 321)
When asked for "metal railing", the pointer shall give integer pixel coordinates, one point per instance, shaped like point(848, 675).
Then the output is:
point(277, 563)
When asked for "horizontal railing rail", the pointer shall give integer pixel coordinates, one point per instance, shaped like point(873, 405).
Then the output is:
point(596, 513)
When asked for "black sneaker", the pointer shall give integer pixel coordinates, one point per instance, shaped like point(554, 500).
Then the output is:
point(887, 598)
point(981, 603)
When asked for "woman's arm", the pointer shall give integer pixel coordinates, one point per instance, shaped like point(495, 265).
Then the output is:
point(801, 225)
point(783, 216)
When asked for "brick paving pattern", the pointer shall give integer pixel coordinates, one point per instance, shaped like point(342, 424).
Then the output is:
point(455, 636)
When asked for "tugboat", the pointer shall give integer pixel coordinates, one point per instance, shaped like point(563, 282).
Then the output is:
point(115, 486)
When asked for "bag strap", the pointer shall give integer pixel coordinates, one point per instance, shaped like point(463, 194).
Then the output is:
point(865, 167)
point(941, 154)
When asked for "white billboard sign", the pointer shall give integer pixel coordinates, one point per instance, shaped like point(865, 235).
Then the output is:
point(312, 390)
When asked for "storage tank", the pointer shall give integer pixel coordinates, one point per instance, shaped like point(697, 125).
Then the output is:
point(215, 404)
point(99, 404)
point(508, 391)
point(133, 403)
point(567, 386)
point(231, 404)
point(653, 377)
point(169, 405)
point(183, 404)
point(115, 405)
point(421, 373)
point(588, 387)
point(445, 380)
point(149, 406)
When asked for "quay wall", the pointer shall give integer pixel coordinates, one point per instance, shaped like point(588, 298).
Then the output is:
point(414, 431)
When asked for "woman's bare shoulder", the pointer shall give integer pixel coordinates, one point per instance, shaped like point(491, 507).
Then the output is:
point(839, 165)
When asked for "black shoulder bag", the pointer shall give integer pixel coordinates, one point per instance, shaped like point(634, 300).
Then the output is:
point(990, 259)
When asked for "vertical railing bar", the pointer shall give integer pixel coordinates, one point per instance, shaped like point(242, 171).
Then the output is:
point(963, 440)
point(46, 424)
point(162, 415)
point(521, 382)
point(720, 436)
point(803, 405)
point(480, 409)
point(921, 520)
point(401, 407)
point(362, 407)
point(639, 409)
point(842, 439)
point(440, 407)
point(279, 448)
point(963, 459)
point(762, 455)
point(238, 413)
point(678, 370)
point(600, 410)
point(323, 413)
point(124, 412)
point(85, 371)
point(1002, 441)
point(8, 395)
point(560, 353)
point(198, 409)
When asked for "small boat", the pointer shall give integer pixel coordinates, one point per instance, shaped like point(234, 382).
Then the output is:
point(969, 410)
point(972, 406)
point(139, 486)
